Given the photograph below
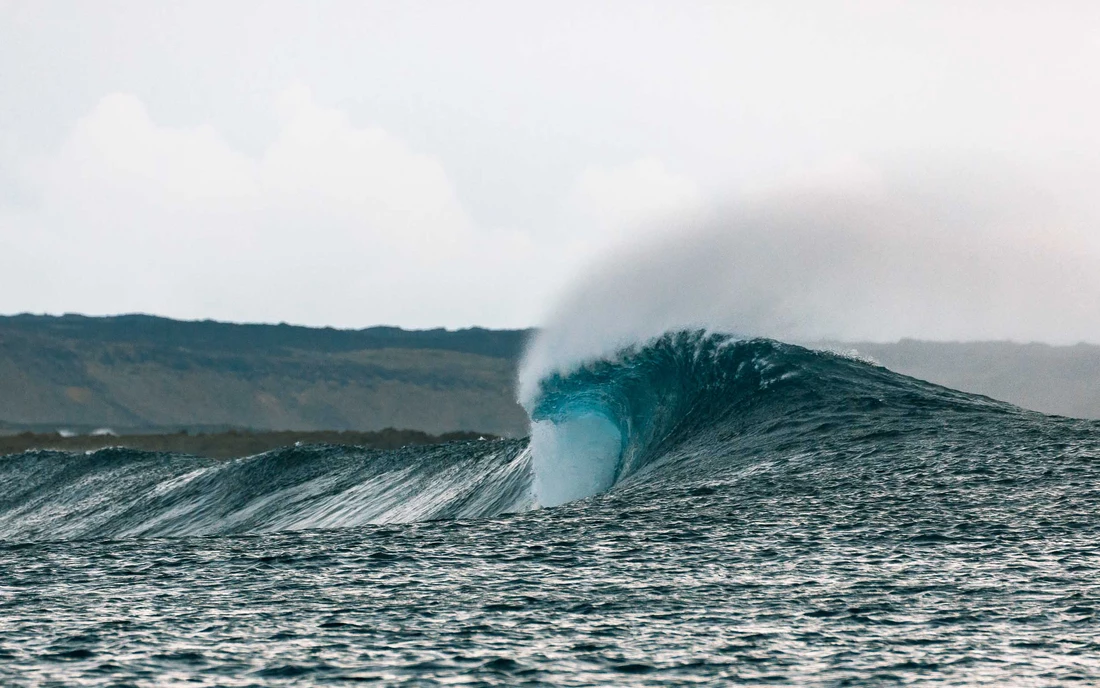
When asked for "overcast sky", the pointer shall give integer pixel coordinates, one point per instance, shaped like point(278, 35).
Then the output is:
point(451, 164)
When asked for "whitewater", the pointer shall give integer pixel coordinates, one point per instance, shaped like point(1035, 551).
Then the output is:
point(692, 508)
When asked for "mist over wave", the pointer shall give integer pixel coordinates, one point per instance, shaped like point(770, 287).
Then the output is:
point(967, 255)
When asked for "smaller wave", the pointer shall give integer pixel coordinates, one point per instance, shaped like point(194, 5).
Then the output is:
point(126, 493)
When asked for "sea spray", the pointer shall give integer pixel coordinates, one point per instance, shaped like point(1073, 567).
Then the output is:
point(937, 257)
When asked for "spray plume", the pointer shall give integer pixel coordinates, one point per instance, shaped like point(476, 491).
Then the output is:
point(966, 256)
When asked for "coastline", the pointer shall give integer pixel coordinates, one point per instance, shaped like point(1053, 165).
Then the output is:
point(229, 444)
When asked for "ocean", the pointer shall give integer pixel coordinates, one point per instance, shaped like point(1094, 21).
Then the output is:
point(697, 509)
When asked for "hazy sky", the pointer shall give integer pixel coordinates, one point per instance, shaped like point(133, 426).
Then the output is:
point(426, 164)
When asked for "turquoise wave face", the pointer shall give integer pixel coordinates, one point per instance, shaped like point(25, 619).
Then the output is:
point(612, 418)
point(702, 403)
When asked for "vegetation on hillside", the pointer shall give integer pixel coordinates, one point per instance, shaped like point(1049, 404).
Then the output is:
point(139, 373)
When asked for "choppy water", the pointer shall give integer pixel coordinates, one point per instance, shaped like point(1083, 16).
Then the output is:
point(770, 515)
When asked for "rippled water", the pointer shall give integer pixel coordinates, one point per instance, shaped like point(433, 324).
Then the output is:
point(928, 537)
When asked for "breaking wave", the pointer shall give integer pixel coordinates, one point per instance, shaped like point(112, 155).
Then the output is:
point(688, 410)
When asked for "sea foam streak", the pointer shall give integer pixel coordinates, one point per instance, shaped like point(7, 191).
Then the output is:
point(126, 493)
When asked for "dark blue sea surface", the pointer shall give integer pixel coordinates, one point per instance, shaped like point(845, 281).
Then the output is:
point(752, 512)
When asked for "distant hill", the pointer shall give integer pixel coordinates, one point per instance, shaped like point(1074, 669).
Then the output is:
point(139, 373)
point(1061, 380)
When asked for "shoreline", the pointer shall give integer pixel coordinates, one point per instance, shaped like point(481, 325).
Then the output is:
point(229, 444)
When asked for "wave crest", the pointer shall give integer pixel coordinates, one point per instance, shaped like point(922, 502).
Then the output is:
point(611, 418)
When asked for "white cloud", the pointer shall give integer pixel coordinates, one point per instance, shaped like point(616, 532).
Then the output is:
point(332, 223)
point(117, 150)
point(464, 135)
point(630, 197)
point(321, 163)
point(845, 174)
